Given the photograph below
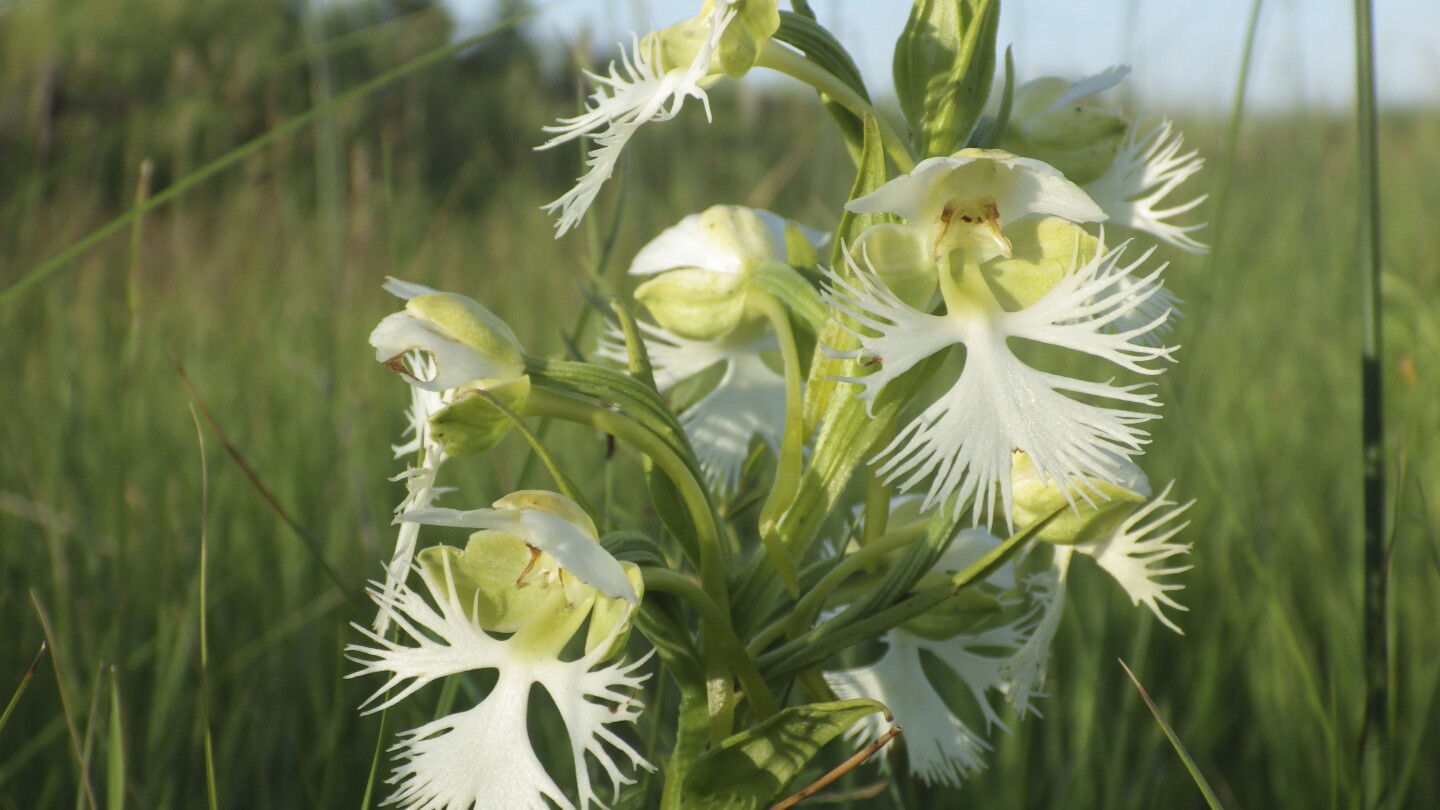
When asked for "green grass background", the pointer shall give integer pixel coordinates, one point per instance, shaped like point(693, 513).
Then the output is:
point(264, 284)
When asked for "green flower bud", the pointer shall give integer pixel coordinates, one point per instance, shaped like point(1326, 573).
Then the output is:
point(958, 614)
point(694, 303)
point(470, 424)
point(1079, 138)
point(705, 263)
point(1043, 251)
point(1078, 521)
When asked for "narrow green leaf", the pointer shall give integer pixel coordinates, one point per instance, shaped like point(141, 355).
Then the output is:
point(1195, 774)
point(753, 768)
point(115, 761)
point(24, 683)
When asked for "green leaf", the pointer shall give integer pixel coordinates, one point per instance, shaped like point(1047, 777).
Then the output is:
point(635, 547)
point(820, 46)
point(991, 131)
point(799, 297)
point(753, 768)
point(1199, 778)
point(944, 63)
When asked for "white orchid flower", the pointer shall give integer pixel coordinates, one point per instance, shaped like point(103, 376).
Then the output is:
point(548, 523)
point(483, 757)
point(966, 200)
point(965, 440)
point(700, 270)
point(640, 92)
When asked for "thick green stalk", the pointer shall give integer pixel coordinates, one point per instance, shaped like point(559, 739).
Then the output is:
point(677, 585)
point(1376, 765)
point(779, 58)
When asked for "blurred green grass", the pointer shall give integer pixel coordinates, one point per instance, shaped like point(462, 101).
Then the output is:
point(265, 284)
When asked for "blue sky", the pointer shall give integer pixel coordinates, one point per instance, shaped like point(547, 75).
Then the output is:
point(1185, 53)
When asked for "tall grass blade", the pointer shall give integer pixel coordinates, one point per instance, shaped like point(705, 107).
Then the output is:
point(260, 487)
point(1220, 197)
point(211, 792)
point(1200, 781)
point(87, 791)
point(115, 759)
point(24, 683)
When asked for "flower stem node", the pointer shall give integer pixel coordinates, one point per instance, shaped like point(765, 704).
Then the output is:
point(1102, 507)
point(464, 340)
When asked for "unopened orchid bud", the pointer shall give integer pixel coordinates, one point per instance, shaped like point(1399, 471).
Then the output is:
point(463, 340)
point(471, 423)
point(703, 265)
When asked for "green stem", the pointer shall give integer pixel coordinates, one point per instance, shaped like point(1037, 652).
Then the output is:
point(782, 59)
point(718, 668)
point(792, 446)
point(681, 587)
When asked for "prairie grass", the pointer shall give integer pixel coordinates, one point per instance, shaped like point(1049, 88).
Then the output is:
point(265, 284)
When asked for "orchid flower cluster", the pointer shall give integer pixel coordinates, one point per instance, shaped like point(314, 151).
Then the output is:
point(871, 452)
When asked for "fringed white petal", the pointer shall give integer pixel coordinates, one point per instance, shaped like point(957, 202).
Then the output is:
point(482, 757)
point(1025, 670)
point(966, 439)
point(623, 101)
point(942, 748)
point(1140, 551)
point(1146, 171)
point(420, 489)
